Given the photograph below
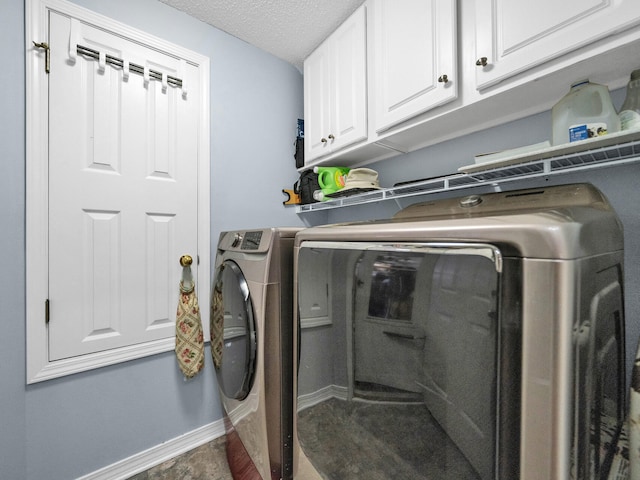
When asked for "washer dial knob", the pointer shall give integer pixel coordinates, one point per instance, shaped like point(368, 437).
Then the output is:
point(237, 240)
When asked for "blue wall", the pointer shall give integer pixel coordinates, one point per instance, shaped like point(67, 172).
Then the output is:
point(12, 278)
point(68, 427)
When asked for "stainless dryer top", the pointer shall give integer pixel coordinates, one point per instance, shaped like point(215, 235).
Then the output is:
point(560, 222)
point(509, 203)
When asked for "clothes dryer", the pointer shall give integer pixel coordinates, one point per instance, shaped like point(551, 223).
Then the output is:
point(251, 344)
point(479, 337)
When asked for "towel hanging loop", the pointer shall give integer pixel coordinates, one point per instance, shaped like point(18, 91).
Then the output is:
point(189, 337)
point(186, 284)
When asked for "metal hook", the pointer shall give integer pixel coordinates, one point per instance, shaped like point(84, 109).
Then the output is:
point(45, 47)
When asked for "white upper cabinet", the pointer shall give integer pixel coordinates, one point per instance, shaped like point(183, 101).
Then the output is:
point(426, 71)
point(414, 54)
point(316, 103)
point(513, 36)
point(335, 90)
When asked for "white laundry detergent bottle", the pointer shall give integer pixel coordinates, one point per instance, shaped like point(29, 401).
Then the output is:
point(585, 112)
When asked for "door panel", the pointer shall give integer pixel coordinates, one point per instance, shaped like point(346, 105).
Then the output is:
point(388, 338)
point(317, 99)
point(349, 81)
point(236, 370)
point(122, 190)
point(414, 46)
point(335, 89)
point(461, 331)
point(517, 35)
point(313, 304)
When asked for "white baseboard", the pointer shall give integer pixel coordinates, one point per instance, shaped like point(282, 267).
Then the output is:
point(331, 391)
point(160, 453)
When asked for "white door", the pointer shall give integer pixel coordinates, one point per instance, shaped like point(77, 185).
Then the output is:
point(122, 189)
point(388, 338)
point(415, 58)
point(460, 354)
point(513, 36)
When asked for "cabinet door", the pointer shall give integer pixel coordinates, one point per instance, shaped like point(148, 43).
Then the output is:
point(335, 89)
point(414, 47)
point(349, 82)
point(317, 96)
point(513, 36)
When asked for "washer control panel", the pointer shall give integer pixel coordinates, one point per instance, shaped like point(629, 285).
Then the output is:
point(251, 240)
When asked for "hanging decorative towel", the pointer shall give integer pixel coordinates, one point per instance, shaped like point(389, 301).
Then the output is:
point(216, 324)
point(189, 337)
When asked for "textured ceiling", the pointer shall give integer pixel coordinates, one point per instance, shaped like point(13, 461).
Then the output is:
point(288, 29)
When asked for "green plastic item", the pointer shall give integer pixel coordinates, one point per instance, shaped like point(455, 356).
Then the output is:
point(331, 179)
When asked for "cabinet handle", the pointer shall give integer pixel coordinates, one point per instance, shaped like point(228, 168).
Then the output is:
point(443, 79)
point(323, 140)
point(481, 62)
point(331, 137)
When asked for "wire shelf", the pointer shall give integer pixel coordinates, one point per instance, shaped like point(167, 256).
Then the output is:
point(549, 163)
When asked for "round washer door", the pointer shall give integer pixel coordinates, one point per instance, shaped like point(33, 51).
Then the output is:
point(230, 301)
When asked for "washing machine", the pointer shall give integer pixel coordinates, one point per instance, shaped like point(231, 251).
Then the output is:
point(252, 344)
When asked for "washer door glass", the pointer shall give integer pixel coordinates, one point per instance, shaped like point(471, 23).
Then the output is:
point(231, 304)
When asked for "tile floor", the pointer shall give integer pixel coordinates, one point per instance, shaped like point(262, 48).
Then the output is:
point(207, 462)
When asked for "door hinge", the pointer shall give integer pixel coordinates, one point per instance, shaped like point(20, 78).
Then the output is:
point(46, 311)
point(45, 47)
